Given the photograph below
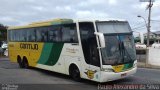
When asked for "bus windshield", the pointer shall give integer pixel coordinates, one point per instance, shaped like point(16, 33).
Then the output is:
point(119, 43)
point(119, 49)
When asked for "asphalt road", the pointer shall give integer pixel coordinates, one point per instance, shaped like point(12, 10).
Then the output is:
point(11, 76)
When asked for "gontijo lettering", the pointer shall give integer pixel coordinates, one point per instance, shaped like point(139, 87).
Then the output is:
point(29, 46)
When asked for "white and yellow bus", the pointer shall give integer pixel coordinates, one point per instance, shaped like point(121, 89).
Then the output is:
point(97, 50)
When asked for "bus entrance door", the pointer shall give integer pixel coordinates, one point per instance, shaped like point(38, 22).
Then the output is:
point(89, 48)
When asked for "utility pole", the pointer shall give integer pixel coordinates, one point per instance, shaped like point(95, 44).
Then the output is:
point(149, 19)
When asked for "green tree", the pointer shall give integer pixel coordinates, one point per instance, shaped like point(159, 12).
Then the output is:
point(3, 32)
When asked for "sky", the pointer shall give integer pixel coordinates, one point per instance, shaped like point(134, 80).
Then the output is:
point(21, 12)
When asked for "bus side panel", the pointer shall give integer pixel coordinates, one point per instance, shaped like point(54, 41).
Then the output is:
point(51, 57)
point(44, 58)
point(71, 55)
point(15, 51)
point(34, 54)
point(31, 51)
point(12, 52)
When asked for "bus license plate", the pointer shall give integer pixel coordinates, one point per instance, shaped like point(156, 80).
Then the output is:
point(124, 74)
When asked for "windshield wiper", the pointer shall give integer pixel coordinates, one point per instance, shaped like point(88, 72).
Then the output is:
point(127, 52)
point(123, 49)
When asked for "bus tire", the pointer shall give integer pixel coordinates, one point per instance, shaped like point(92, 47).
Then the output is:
point(74, 72)
point(19, 62)
point(25, 63)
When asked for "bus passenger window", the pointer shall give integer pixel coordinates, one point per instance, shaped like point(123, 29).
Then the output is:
point(38, 35)
point(69, 33)
point(9, 35)
point(73, 35)
point(44, 35)
point(12, 35)
point(54, 34)
point(41, 34)
point(15, 35)
point(22, 35)
point(31, 35)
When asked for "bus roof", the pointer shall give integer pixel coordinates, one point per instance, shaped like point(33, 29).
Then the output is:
point(61, 21)
point(100, 20)
point(43, 23)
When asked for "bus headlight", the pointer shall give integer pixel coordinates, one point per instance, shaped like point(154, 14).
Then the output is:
point(135, 65)
point(107, 69)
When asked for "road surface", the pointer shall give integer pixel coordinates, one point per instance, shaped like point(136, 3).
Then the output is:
point(25, 79)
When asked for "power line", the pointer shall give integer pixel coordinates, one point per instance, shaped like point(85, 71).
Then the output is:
point(155, 20)
point(139, 26)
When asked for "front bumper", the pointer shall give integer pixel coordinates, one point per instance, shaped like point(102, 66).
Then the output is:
point(111, 76)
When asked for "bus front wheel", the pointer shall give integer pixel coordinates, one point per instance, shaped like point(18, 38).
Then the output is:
point(74, 72)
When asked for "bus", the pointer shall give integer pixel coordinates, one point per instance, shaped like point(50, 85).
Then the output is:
point(97, 50)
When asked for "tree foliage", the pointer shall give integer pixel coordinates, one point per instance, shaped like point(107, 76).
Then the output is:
point(3, 32)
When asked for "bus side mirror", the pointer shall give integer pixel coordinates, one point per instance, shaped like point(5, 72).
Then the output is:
point(101, 38)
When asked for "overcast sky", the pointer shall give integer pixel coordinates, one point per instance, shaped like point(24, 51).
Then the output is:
point(20, 12)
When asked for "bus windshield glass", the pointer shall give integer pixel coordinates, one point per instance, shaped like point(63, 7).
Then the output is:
point(119, 43)
point(119, 49)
